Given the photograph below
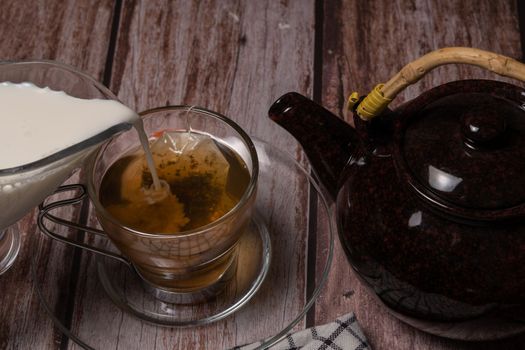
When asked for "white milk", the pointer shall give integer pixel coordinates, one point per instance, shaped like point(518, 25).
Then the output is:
point(37, 122)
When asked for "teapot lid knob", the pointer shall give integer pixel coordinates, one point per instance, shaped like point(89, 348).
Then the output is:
point(483, 127)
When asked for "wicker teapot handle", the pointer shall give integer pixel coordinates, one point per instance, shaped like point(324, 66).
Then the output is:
point(379, 98)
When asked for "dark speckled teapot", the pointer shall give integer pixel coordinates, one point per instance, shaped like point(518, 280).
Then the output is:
point(430, 197)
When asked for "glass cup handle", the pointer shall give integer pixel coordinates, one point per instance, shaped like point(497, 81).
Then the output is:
point(44, 214)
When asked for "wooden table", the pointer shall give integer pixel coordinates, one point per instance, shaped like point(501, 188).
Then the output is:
point(236, 57)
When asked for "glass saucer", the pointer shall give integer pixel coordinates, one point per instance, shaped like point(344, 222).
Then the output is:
point(131, 293)
point(290, 210)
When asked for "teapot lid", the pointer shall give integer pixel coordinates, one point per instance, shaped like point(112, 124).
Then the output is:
point(462, 147)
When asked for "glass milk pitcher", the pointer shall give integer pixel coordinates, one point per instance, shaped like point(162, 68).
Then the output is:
point(24, 186)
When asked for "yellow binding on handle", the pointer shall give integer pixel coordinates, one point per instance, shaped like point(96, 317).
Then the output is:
point(379, 98)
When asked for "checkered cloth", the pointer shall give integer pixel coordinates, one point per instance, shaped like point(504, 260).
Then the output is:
point(342, 334)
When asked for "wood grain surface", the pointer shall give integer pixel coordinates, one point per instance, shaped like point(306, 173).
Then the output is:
point(56, 31)
point(234, 57)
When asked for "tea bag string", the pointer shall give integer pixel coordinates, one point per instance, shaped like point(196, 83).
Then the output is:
point(188, 123)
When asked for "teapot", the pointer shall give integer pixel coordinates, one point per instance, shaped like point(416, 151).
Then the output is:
point(430, 196)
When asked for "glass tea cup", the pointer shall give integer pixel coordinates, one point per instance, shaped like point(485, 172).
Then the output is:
point(197, 262)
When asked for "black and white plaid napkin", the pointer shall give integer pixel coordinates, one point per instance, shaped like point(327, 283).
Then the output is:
point(342, 334)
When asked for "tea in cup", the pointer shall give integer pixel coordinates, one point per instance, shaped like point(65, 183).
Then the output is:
point(180, 237)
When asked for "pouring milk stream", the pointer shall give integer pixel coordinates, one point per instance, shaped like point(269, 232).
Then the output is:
point(38, 122)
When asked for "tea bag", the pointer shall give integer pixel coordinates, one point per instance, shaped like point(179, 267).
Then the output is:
point(195, 171)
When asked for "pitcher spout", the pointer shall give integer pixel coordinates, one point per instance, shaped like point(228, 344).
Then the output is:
point(327, 140)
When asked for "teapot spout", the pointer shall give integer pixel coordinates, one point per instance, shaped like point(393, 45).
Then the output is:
point(327, 140)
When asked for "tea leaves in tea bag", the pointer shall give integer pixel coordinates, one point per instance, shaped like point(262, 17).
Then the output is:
point(197, 173)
